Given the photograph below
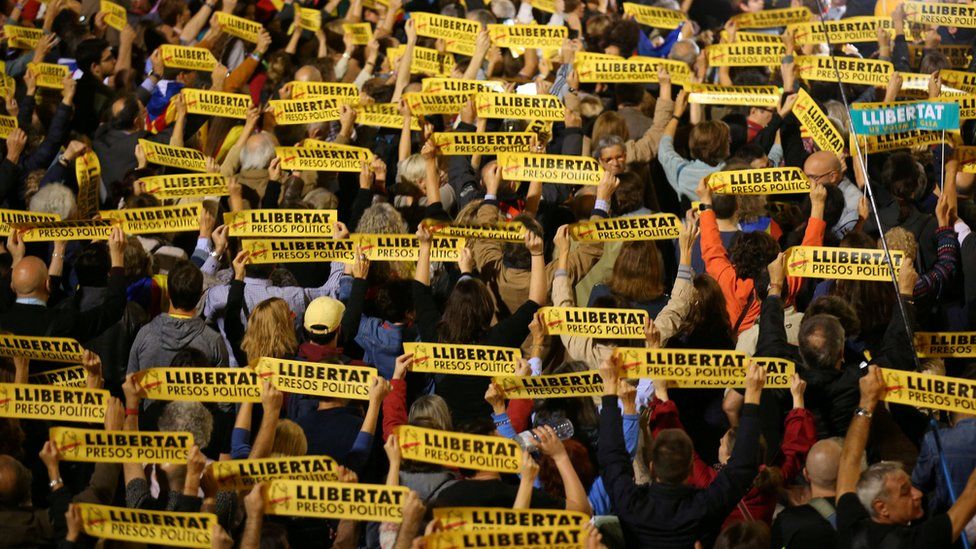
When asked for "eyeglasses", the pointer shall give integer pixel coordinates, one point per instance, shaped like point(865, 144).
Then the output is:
point(817, 178)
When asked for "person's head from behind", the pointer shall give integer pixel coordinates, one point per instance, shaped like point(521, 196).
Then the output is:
point(709, 142)
point(934, 61)
point(685, 51)
point(901, 240)
point(823, 460)
point(552, 481)
point(192, 417)
point(886, 491)
point(903, 175)
point(54, 198)
point(638, 272)
point(708, 312)
point(257, 152)
point(629, 195)
point(323, 317)
point(821, 342)
point(629, 95)
point(95, 57)
point(289, 440)
point(482, 16)
point(515, 254)
point(467, 314)
point(15, 483)
point(29, 278)
point(185, 286)
point(136, 261)
point(839, 308)
point(609, 123)
point(92, 265)
point(270, 331)
point(430, 412)
point(671, 457)
point(394, 301)
point(744, 535)
point(752, 253)
point(127, 113)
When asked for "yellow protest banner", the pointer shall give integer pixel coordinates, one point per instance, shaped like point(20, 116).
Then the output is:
point(520, 107)
point(942, 14)
point(306, 498)
point(930, 391)
point(595, 322)
point(426, 103)
point(72, 376)
point(299, 251)
point(95, 445)
point(383, 115)
point(551, 386)
point(745, 54)
point(587, 56)
point(52, 349)
point(187, 58)
point(313, 378)
point(162, 219)
point(316, 223)
point(459, 85)
point(305, 111)
point(946, 344)
point(962, 80)
point(454, 358)
point(660, 18)
point(406, 247)
point(324, 157)
point(508, 538)
point(752, 37)
point(478, 452)
point(662, 226)
point(546, 37)
point(841, 263)
point(458, 34)
point(7, 123)
point(347, 93)
point(759, 181)
point(147, 527)
point(49, 75)
point(752, 96)
point(506, 231)
point(20, 400)
point(185, 185)
point(361, 33)
point(548, 6)
point(88, 173)
point(115, 15)
point(844, 31)
point(202, 384)
point(8, 217)
point(468, 519)
point(242, 28)
point(467, 143)
point(47, 231)
point(22, 38)
point(550, 168)
point(425, 60)
point(821, 129)
point(852, 70)
point(175, 157)
point(700, 368)
point(771, 19)
point(902, 140)
point(309, 19)
point(211, 103)
point(242, 474)
point(633, 70)
point(959, 56)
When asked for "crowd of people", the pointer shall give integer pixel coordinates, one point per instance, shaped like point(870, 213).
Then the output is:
point(821, 461)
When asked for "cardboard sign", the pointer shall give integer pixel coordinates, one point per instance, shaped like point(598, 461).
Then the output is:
point(243, 474)
point(865, 72)
point(659, 18)
point(551, 386)
point(930, 391)
point(312, 378)
point(746, 54)
point(849, 30)
point(406, 247)
point(324, 157)
point(815, 121)
point(771, 19)
point(211, 103)
point(305, 111)
point(519, 107)
point(747, 96)
point(544, 37)
point(239, 27)
point(115, 15)
point(9, 217)
point(51, 349)
point(49, 75)
point(48, 231)
point(633, 70)
point(459, 35)
point(506, 231)
point(946, 344)
point(185, 185)
point(468, 143)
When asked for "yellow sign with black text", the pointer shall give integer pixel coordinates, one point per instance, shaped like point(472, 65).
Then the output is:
point(161, 219)
point(551, 386)
point(659, 18)
point(845, 31)
point(745, 54)
point(242, 474)
point(20, 400)
point(406, 247)
point(459, 85)
point(95, 445)
point(115, 15)
point(508, 538)
point(852, 70)
point(550, 168)
point(771, 19)
point(52, 349)
point(202, 384)
point(47, 231)
point(427, 103)
point(468, 143)
point(383, 115)
point(930, 391)
point(211, 103)
point(340, 500)
point(506, 231)
point(313, 378)
point(455, 358)
point(174, 157)
point(520, 107)
point(309, 110)
point(11, 217)
point(315, 223)
point(88, 173)
point(72, 376)
point(239, 27)
point(185, 185)
point(662, 226)
point(22, 38)
point(458, 34)
point(324, 157)
point(942, 14)
point(545, 37)
point(188, 58)
point(468, 519)
point(759, 181)
point(821, 129)
point(147, 527)
point(841, 263)
point(595, 322)
point(303, 90)
point(752, 96)
point(946, 344)
point(478, 452)
point(633, 70)
point(361, 33)
point(288, 250)
point(49, 75)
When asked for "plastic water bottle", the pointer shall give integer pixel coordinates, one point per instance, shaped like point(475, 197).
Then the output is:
point(562, 426)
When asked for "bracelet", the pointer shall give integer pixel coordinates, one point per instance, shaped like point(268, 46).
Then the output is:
point(214, 254)
point(676, 117)
point(787, 59)
point(131, 412)
point(571, 89)
point(155, 75)
point(57, 255)
point(256, 56)
point(502, 422)
point(863, 412)
point(538, 255)
point(55, 482)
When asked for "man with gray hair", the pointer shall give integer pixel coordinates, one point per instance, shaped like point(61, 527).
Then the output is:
point(877, 508)
point(256, 156)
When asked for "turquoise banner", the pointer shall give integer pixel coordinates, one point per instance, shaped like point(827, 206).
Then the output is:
point(902, 117)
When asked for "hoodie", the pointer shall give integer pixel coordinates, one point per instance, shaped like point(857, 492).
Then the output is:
point(165, 336)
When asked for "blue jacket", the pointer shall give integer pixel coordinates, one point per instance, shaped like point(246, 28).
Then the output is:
point(957, 444)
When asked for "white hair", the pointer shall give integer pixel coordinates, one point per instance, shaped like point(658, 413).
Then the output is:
point(411, 170)
point(257, 152)
point(871, 485)
point(54, 198)
point(188, 416)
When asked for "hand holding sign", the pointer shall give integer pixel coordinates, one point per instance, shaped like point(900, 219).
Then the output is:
point(495, 397)
point(907, 277)
point(610, 372)
point(873, 388)
point(797, 388)
point(755, 381)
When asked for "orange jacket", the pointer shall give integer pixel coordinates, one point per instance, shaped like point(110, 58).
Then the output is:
point(738, 290)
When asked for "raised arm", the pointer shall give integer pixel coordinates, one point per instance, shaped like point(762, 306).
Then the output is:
point(403, 71)
point(873, 389)
point(271, 400)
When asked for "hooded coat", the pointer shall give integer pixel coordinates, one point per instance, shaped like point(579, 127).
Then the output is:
point(158, 342)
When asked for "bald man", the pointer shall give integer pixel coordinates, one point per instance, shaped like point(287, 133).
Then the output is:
point(812, 525)
point(31, 316)
point(825, 168)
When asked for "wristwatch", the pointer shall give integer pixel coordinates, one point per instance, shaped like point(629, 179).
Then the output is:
point(863, 412)
point(702, 207)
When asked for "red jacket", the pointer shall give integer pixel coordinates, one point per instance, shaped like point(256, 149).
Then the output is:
point(800, 434)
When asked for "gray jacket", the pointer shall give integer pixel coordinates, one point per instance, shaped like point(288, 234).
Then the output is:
point(158, 342)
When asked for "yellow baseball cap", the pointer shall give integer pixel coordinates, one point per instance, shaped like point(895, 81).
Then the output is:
point(323, 315)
